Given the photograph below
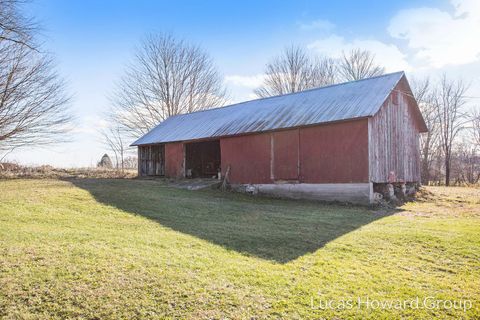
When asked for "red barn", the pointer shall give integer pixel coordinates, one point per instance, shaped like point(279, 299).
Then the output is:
point(332, 143)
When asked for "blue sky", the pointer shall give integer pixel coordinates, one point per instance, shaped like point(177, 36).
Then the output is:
point(93, 40)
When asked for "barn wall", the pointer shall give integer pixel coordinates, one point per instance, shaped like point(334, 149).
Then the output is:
point(285, 156)
point(394, 141)
point(248, 158)
point(332, 153)
point(174, 160)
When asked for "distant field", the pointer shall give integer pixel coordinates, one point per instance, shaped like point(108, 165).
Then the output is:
point(107, 249)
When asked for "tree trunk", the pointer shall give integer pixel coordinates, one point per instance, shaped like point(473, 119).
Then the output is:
point(447, 171)
point(425, 171)
point(123, 163)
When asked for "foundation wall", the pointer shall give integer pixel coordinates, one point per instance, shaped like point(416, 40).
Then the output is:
point(358, 193)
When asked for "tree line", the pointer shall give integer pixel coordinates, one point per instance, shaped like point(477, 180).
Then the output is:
point(450, 150)
point(169, 76)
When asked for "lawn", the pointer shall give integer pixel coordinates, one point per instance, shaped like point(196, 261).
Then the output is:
point(125, 248)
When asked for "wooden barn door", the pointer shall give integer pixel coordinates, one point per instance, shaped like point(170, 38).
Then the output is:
point(159, 160)
point(285, 155)
point(152, 160)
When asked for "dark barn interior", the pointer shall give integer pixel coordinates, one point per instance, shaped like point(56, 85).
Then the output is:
point(202, 159)
point(152, 160)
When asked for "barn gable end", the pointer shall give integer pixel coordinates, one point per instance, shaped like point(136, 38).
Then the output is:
point(394, 133)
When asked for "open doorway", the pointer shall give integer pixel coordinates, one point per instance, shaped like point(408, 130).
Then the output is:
point(202, 159)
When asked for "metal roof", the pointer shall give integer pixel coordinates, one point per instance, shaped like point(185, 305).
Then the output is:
point(356, 99)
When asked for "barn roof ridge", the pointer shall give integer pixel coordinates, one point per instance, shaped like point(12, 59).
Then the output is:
point(342, 101)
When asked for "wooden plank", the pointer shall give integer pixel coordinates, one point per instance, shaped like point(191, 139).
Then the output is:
point(393, 142)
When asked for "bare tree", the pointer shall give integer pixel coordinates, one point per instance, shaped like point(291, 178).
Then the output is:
point(449, 102)
point(358, 64)
point(33, 100)
point(475, 118)
point(467, 159)
point(14, 26)
point(115, 141)
point(465, 164)
point(167, 77)
point(131, 162)
point(294, 70)
point(424, 94)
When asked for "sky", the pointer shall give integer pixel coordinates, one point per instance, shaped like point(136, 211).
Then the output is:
point(92, 42)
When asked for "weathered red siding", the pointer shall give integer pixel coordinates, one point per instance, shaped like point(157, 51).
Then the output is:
point(174, 160)
point(248, 158)
point(286, 155)
point(334, 153)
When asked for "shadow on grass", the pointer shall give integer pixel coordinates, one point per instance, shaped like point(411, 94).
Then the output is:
point(272, 229)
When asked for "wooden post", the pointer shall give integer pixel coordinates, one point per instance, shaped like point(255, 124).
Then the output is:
point(139, 162)
point(225, 179)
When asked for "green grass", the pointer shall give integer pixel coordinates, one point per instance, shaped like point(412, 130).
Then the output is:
point(100, 249)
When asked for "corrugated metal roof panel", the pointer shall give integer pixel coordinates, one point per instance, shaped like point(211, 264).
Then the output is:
point(348, 100)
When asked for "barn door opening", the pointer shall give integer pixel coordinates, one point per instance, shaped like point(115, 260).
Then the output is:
point(152, 160)
point(202, 159)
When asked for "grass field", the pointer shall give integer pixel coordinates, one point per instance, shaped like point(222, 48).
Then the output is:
point(104, 249)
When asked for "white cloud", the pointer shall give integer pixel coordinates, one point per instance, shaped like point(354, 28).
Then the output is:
point(245, 81)
point(319, 24)
point(387, 55)
point(438, 37)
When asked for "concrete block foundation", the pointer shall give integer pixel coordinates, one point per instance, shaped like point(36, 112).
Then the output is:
point(358, 193)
